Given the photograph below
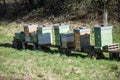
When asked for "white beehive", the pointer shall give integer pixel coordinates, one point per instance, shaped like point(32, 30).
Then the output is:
point(30, 28)
point(67, 40)
point(27, 39)
point(67, 37)
point(44, 38)
point(44, 35)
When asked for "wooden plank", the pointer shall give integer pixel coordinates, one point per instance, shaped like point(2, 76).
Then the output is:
point(111, 47)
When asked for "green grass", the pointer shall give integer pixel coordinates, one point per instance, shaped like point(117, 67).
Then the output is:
point(39, 65)
point(116, 33)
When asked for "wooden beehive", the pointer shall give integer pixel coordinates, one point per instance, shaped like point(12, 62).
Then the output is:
point(67, 40)
point(27, 39)
point(29, 31)
point(34, 38)
point(82, 38)
point(58, 30)
point(30, 28)
point(103, 36)
point(20, 36)
point(44, 35)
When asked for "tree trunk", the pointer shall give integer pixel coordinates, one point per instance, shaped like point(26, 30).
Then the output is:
point(31, 2)
point(5, 7)
point(105, 18)
point(118, 7)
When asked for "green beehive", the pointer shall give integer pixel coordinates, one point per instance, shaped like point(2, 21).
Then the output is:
point(20, 36)
point(44, 35)
point(34, 38)
point(82, 38)
point(103, 36)
point(57, 33)
point(42, 30)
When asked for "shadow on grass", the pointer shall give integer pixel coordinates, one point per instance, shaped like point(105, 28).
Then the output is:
point(79, 55)
point(8, 45)
point(54, 51)
point(111, 59)
point(61, 52)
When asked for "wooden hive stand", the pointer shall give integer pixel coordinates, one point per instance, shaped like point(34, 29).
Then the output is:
point(114, 51)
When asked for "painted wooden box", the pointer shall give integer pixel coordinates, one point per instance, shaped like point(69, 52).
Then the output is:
point(67, 40)
point(30, 28)
point(82, 38)
point(44, 35)
point(58, 30)
point(20, 36)
point(103, 36)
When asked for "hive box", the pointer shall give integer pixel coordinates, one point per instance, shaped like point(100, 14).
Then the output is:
point(20, 36)
point(67, 37)
point(67, 40)
point(82, 38)
point(30, 32)
point(44, 38)
point(27, 39)
point(103, 36)
point(30, 28)
point(57, 33)
point(44, 35)
point(32, 38)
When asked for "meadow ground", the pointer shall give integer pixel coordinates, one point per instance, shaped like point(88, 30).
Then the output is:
point(39, 65)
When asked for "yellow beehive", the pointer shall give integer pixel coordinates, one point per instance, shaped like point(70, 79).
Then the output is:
point(67, 44)
point(30, 28)
point(82, 38)
point(67, 40)
point(27, 34)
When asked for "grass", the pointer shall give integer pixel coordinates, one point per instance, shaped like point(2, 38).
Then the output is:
point(39, 65)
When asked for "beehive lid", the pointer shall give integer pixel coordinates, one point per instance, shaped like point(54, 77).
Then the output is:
point(45, 27)
point(30, 25)
point(67, 34)
point(19, 35)
point(61, 26)
point(103, 28)
point(82, 29)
